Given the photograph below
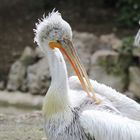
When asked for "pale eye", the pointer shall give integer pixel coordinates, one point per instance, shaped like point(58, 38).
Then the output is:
point(52, 35)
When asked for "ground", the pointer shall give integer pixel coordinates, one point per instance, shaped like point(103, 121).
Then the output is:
point(20, 124)
point(20, 116)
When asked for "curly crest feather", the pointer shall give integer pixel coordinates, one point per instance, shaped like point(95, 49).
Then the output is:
point(48, 23)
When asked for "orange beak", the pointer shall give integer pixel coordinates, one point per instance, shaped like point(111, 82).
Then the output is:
point(66, 47)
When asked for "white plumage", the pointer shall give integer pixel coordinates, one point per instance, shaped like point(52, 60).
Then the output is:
point(70, 112)
point(137, 39)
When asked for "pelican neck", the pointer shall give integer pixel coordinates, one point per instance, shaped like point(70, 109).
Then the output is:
point(58, 70)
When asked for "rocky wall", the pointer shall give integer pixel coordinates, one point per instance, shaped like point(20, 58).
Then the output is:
point(101, 57)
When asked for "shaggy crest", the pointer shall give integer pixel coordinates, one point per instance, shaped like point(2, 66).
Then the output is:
point(48, 23)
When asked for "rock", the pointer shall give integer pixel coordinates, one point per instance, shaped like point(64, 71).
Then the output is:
point(111, 40)
point(38, 77)
point(44, 138)
point(28, 56)
point(2, 117)
point(88, 40)
point(31, 71)
point(17, 74)
point(102, 56)
point(130, 95)
point(134, 85)
point(85, 44)
point(38, 53)
point(2, 85)
point(98, 73)
point(136, 52)
point(18, 99)
point(102, 69)
point(24, 87)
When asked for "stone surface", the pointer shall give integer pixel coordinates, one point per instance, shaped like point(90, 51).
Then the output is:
point(111, 40)
point(2, 85)
point(85, 44)
point(18, 99)
point(18, 71)
point(38, 53)
point(100, 61)
point(31, 71)
point(38, 77)
point(28, 56)
point(134, 85)
point(130, 95)
point(89, 41)
point(136, 52)
point(16, 76)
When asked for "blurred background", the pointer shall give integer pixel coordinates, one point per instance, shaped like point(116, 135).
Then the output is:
point(103, 34)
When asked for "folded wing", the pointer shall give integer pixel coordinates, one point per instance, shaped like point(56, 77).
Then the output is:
point(125, 105)
point(101, 125)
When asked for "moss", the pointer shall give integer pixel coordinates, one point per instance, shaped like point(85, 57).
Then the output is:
point(110, 65)
point(118, 66)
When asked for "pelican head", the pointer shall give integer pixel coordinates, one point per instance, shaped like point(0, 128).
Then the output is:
point(55, 33)
point(52, 28)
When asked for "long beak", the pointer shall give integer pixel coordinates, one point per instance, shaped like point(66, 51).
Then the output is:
point(66, 47)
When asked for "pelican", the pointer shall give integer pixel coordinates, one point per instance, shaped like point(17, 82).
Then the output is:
point(77, 108)
point(137, 39)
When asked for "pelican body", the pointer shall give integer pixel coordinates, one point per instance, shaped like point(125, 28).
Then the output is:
point(137, 39)
point(77, 108)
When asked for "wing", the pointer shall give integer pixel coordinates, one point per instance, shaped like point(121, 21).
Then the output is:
point(125, 105)
point(107, 126)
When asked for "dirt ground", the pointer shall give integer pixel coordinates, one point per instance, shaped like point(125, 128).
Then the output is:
point(20, 124)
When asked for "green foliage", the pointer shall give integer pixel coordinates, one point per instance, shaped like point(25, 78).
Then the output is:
point(125, 53)
point(120, 64)
point(126, 57)
point(127, 46)
point(129, 12)
point(112, 65)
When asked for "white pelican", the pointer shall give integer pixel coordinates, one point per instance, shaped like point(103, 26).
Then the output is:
point(70, 112)
point(137, 39)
